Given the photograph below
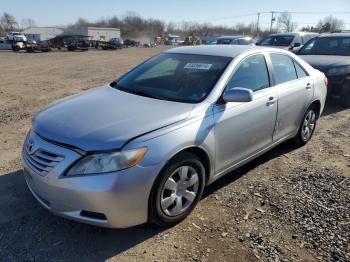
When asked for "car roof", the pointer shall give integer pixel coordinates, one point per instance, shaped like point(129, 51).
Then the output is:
point(335, 35)
point(232, 37)
point(295, 33)
point(217, 50)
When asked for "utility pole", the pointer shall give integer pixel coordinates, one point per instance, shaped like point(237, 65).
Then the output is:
point(257, 25)
point(272, 20)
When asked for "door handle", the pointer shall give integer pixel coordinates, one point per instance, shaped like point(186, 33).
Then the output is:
point(308, 86)
point(271, 101)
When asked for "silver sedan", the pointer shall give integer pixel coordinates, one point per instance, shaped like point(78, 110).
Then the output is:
point(143, 148)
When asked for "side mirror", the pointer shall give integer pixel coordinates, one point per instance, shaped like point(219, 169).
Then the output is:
point(295, 45)
point(238, 94)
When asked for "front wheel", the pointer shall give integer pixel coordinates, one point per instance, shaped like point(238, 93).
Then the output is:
point(307, 126)
point(177, 190)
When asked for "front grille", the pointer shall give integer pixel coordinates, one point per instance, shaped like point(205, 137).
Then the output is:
point(42, 161)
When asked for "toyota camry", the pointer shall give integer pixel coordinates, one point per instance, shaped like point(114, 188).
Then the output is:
point(143, 148)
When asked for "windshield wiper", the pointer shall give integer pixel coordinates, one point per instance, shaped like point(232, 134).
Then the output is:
point(136, 92)
point(142, 93)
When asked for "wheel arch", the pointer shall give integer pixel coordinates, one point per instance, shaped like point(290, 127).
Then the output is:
point(317, 104)
point(199, 152)
point(203, 155)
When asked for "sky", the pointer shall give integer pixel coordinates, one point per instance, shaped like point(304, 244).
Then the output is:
point(225, 12)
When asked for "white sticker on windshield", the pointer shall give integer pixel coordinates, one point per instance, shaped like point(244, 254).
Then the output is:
point(198, 66)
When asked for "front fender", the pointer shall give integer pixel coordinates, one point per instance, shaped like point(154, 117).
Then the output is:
point(196, 132)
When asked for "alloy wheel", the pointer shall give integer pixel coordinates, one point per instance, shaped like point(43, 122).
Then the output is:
point(308, 125)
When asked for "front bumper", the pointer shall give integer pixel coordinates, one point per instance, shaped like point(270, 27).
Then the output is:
point(116, 200)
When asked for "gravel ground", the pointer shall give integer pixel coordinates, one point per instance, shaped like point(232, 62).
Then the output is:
point(317, 205)
point(291, 204)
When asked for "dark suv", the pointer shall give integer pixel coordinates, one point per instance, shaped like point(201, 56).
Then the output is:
point(330, 53)
point(287, 41)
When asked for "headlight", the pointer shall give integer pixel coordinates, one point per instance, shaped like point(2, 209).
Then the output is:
point(107, 162)
point(342, 70)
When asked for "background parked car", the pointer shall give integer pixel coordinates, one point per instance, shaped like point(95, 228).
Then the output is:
point(5, 44)
point(234, 40)
point(116, 43)
point(330, 53)
point(31, 46)
point(129, 42)
point(288, 41)
point(44, 46)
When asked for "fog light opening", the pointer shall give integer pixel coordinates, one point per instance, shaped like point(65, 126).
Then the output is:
point(93, 215)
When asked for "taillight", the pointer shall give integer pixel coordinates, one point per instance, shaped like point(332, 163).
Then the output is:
point(325, 81)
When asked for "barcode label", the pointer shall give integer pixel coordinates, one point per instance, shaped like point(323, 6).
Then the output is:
point(198, 66)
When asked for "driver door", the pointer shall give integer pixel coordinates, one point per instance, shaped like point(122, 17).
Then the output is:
point(244, 128)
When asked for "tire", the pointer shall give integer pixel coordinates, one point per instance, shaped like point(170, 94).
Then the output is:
point(345, 97)
point(15, 48)
point(172, 201)
point(307, 126)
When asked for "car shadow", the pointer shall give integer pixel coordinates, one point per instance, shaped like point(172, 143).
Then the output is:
point(28, 232)
point(231, 177)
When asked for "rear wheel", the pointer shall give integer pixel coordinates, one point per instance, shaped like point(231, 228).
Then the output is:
point(16, 48)
point(307, 126)
point(177, 190)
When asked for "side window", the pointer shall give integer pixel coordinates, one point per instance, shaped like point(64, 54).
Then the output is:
point(297, 39)
point(243, 41)
point(309, 47)
point(251, 73)
point(235, 42)
point(307, 38)
point(300, 71)
point(283, 68)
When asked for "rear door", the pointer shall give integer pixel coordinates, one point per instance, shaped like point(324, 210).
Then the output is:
point(295, 91)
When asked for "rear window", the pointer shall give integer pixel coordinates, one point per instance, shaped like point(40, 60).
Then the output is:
point(300, 71)
point(174, 77)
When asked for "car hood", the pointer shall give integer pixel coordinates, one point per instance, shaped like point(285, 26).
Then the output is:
point(325, 62)
point(105, 118)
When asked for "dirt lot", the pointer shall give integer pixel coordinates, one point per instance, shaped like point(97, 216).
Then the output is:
point(290, 204)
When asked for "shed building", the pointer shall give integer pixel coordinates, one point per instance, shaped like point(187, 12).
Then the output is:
point(43, 33)
point(94, 33)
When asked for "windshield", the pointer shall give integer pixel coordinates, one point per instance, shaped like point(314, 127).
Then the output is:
point(327, 46)
point(281, 40)
point(174, 77)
